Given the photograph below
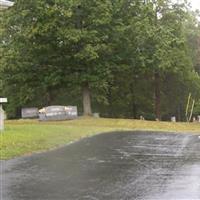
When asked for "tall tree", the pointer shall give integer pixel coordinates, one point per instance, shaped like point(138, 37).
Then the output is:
point(63, 42)
point(166, 47)
point(127, 58)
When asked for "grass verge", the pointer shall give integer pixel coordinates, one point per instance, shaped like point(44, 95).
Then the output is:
point(24, 137)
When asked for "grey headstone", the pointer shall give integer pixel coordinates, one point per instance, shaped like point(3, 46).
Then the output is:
point(96, 115)
point(173, 119)
point(58, 113)
point(28, 113)
point(71, 112)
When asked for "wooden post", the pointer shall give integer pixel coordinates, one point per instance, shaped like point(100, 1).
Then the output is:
point(1, 118)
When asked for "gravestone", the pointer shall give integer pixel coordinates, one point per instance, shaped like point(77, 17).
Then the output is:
point(96, 115)
point(173, 119)
point(29, 113)
point(57, 113)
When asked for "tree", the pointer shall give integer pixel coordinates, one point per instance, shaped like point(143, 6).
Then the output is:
point(65, 43)
point(126, 58)
point(166, 45)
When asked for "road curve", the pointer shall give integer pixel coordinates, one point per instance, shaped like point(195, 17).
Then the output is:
point(112, 166)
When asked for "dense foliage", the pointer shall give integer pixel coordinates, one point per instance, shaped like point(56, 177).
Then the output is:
point(117, 57)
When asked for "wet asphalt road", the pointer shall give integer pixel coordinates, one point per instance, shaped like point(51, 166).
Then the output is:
point(114, 166)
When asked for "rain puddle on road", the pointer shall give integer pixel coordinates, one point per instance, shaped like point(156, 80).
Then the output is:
point(185, 184)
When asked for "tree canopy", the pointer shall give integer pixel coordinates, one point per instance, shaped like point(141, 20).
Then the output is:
point(116, 57)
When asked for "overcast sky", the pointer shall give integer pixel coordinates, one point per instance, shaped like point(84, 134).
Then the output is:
point(195, 4)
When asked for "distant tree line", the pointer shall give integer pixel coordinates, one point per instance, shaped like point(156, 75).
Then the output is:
point(121, 58)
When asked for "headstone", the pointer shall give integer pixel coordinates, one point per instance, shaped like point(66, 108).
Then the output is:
point(141, 117)
point(198, 118)
point(56, 113)
point(29, 113)
point(71, 112)
point(96, 115)
point(173, 119)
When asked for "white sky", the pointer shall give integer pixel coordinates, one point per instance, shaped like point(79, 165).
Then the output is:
point(195, 4)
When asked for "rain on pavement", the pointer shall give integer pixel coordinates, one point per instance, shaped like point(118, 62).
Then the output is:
point(112, 166)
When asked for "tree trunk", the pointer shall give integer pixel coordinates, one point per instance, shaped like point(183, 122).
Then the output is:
point(179, 113)
point(48, 98)
point(157, 96)
point(87, 110)
point(109, 98)
point(134, 105)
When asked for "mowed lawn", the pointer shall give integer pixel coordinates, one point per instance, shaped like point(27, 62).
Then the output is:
point(24, 137)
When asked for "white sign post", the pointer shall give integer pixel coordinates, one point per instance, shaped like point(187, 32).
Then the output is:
point(4, 4)
point(2, 100)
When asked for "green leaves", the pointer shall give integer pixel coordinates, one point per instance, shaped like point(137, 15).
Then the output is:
point(113, 46)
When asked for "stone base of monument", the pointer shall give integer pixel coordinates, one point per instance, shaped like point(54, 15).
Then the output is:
point(58, 113)
point(173, 119)
point(96, 115)
point(29, 113)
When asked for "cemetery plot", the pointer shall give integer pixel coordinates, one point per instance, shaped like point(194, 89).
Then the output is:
point(28, 113)
point(58, 113)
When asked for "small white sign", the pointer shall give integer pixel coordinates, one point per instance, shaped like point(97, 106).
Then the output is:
point(3, 100)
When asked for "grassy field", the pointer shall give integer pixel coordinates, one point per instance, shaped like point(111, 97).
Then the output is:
point(23, 137)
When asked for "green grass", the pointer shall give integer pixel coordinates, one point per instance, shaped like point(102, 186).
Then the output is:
point(23, 137)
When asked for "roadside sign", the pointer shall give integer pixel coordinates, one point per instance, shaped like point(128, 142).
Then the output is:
point(3, 100)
